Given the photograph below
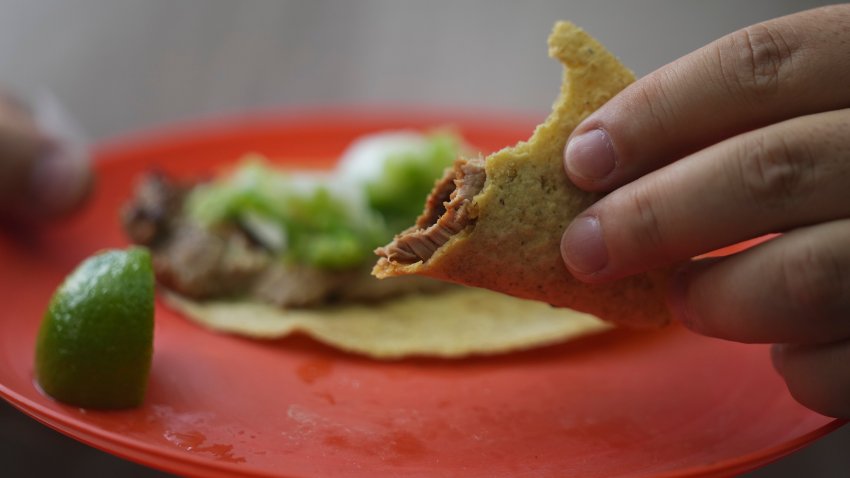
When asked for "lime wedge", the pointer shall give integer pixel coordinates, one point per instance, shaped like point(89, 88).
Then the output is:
point(95, 344)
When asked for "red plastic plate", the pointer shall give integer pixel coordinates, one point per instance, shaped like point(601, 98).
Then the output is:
point(665, 403)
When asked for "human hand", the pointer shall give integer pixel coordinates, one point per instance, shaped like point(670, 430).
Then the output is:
point(43, 172)
point(747, 136)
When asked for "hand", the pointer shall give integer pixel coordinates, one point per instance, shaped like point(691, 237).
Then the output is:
point(42, 173)
point(747, 136)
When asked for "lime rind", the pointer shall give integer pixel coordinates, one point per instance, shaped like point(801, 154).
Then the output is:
point(95, 344)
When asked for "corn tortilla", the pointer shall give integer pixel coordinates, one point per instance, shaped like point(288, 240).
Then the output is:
point(513, 242)
point(452, 324)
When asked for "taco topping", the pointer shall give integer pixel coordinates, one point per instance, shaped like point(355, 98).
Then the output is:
point(448, 210)
point(290, 240)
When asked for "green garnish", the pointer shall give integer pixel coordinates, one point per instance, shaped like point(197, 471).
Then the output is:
point(408, 178)
point(326, 220)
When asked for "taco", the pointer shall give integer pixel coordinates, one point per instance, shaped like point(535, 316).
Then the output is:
point(497, 222)
point(264, 252)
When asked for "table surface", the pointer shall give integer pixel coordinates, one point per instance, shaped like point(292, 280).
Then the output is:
point(124, 66)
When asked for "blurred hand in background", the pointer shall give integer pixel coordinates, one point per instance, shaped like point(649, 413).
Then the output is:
point(44, 167)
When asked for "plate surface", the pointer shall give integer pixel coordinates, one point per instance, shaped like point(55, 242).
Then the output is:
point(622, 404)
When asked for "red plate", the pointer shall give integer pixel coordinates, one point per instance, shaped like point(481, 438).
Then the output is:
point(667, 403)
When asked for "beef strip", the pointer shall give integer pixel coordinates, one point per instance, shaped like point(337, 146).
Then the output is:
point(447, 212)
point(157, 203)
point(227, 262)
point(295, 286)
point(204, 264)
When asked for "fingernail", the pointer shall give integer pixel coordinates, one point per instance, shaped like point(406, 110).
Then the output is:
point(583, 246)
point(677, 298)
point(590, 155)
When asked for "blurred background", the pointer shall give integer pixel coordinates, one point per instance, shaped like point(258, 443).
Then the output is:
point(120, 66)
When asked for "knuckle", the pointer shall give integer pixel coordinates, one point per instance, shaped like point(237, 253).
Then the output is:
point(647, 234)
point(775, 172)
point(755, 60)
point(656, 101)
point(814, 280)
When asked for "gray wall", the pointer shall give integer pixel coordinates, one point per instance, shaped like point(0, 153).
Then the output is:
point(121, 65)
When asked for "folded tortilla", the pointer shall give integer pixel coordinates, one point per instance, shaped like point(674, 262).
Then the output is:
point(497, 222)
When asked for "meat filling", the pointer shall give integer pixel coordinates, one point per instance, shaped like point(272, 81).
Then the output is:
point(228, 262)
point(447, 212)
point(149, 217)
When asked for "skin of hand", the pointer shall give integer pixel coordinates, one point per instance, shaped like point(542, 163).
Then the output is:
point(747, 136)
point(40, 178)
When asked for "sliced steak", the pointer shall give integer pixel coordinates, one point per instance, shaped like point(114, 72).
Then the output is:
point(155, 206)
point(295, 286)
point(447, 212)
point(203, 264)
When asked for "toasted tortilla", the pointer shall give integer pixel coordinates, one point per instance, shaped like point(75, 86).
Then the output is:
point(451, 324)
point(512, 241)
